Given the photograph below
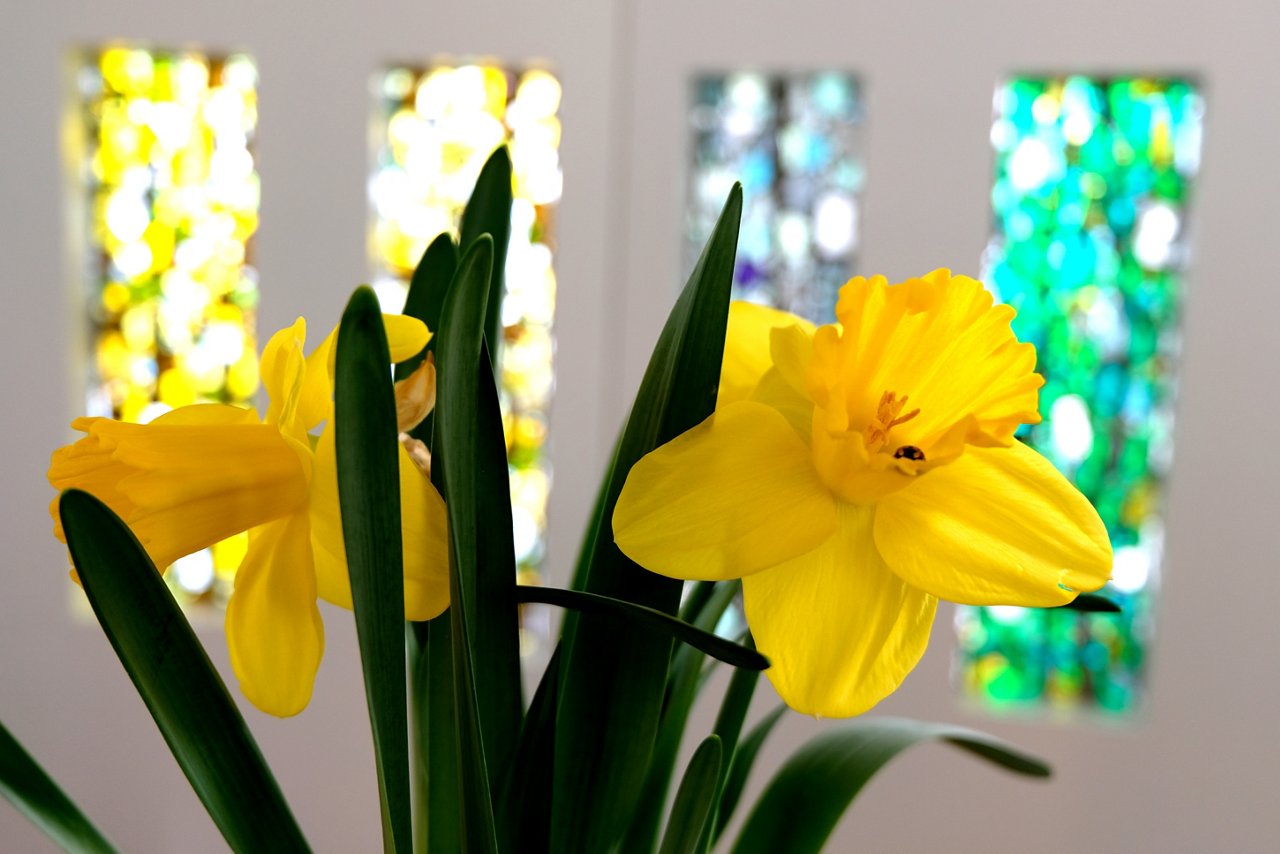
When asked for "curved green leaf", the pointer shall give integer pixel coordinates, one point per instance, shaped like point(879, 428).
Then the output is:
point(729, 721)
point(471, 469)
point(175, 679)
point(526, 789)
point(488, 212)
point(744, 758)
point(369, 493)
point(26, 785)
point(648, 618)
point(687, 678)
point(1092, 603)
point(692, 806)
point(437, 825)
point(601, 761)
point(804, 801)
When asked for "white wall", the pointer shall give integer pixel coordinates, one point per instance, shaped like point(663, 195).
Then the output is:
point(1197, 772)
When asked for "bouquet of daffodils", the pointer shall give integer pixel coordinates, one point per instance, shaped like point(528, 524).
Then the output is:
point(839, 479)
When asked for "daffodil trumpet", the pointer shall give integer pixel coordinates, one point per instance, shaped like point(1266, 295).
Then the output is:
point(854, 474)
point(201, 473)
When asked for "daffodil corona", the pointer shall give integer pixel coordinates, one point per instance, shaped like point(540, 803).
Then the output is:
point(857, 475)
point(201, 473)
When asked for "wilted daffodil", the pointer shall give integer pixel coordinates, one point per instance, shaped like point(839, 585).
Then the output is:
point(202, 473)
point(859, 474)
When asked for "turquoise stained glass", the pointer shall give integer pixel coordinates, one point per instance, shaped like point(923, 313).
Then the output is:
point(794, 142)
point(1090, 205)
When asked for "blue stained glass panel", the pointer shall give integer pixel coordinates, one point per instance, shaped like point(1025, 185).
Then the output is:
point(794, 142)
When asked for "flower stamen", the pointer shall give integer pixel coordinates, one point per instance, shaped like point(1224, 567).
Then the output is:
point(886, 418)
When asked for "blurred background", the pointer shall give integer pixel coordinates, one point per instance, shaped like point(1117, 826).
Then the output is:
point(180, 180)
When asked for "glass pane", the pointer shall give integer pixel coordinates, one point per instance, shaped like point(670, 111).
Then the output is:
point(1090, 205)
point(435, 128)
point(793, 140)
point(170, 197)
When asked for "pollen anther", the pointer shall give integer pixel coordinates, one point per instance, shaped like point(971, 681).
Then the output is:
point(886, 418)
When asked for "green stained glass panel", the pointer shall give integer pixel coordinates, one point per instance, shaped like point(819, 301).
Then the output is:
point(1090, 206)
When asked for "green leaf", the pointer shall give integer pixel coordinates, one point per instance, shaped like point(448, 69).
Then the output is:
point(1092, 603)
point(806, 798)
point(435, 737)
point(682, 691)
point(430, 284)
point(733, 713)
point(692, 806)
point(526, 789)
point(175, 679)
point(26, 785)
point(471, 461)
point(488, 212)
point(646, 618)
point(601, 760)
point(478, 491)
point(425, 300)
point(740, 768)
point(369, 494)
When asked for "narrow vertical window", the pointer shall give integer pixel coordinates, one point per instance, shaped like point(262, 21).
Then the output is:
point(1090, 206)
point(793, 140)
point(169, 192)
point(435, 128)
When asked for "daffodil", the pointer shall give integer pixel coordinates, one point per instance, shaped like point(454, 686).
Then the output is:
point(201, 473)
point(857, 475)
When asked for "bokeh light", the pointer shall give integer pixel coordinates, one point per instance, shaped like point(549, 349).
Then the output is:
point(1090, 202)
point(171, 196)
point(436, 126)
point(794, 142)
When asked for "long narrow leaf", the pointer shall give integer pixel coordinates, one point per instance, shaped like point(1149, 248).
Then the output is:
point(369, 493)
point(175, 679)
point(526, 791)
point(646, 618)
point(437, 824)
point(430, 284)
point(740, 768)
point(733, 713)
point(1092, 603)
point(692, 807)
point(809, 794)
point(601, 760)
point(488, 212)
point(687, 677)
point(34, 793)
point(462, 460)
point(478, 491)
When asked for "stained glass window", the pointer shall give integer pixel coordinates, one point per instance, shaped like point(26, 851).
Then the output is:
point(794, 142)
point(171, 201)
point(436, 127)
point(1090, 204)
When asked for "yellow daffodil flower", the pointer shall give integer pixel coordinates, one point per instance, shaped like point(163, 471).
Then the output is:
point(202, 473)
point(859, 474)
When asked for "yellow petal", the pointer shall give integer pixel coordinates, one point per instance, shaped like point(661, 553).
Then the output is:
point(416, 395)
point(734, 495)
point(274, 632)
point(189, 479)
point(426, 545)
point(938, 340)
point(746, 347)
point(999, 526)
point(422, 520)
point(406, 336)
point(841, 629)
point(283, 370)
